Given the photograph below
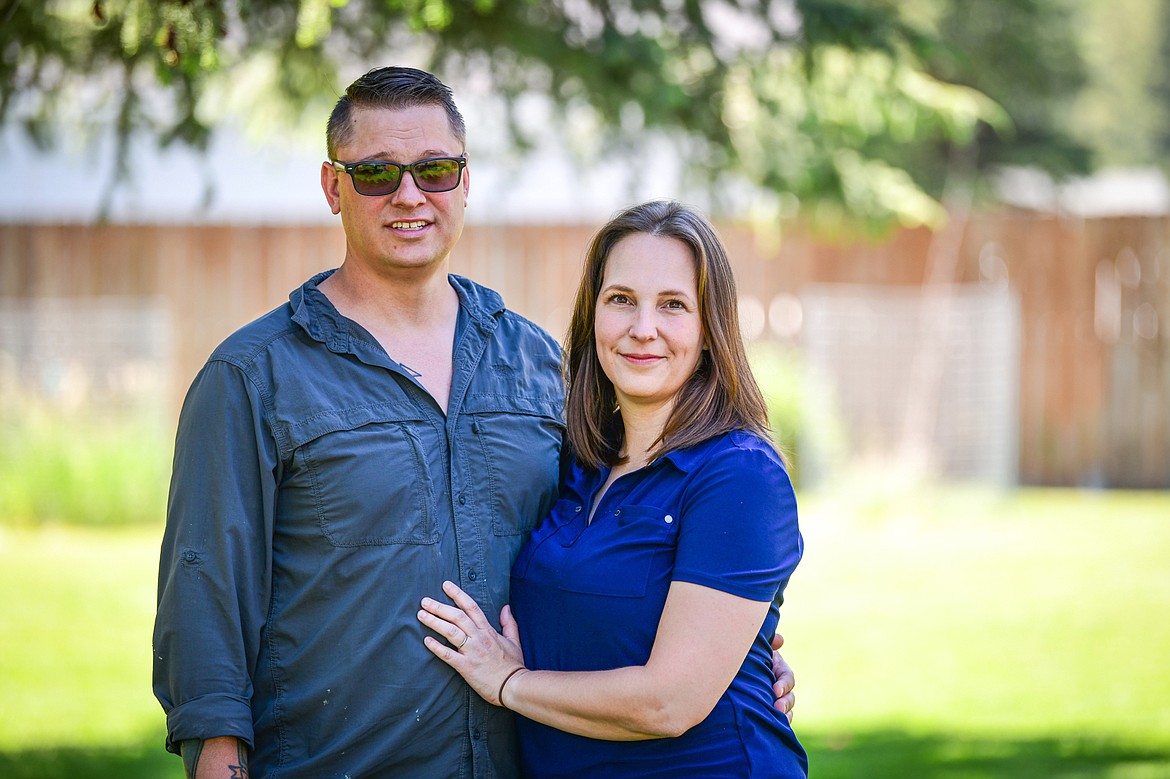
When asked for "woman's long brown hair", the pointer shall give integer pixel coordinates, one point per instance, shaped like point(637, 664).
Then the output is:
point(721, 396)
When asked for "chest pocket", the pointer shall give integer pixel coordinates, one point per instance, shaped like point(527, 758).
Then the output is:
point(621, 551)
point(549, 531)
point(513, 452)
point(363, 473)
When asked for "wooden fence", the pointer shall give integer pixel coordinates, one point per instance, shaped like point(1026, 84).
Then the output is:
point(1094, 378)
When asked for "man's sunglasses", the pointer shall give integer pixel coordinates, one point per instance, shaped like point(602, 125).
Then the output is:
point(375, 178)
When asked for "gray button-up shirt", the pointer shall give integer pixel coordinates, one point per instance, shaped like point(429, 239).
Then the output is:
point(318, 494)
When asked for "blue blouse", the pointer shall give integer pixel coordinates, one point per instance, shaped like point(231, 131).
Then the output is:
point(588, 597)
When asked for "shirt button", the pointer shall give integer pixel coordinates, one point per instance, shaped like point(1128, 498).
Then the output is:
point(617, 513)
point(190, 556)
point(475, 734)
point(578, 509)
point(668, 519)
point(471, 575)
point(462, 501)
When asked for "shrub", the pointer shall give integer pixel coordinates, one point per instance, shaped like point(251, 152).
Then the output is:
point(83, 466)
point(804, 419)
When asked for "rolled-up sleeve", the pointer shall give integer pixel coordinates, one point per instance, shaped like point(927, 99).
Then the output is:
point(216, 559)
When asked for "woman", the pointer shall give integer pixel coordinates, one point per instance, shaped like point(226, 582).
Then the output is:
point(645, 601)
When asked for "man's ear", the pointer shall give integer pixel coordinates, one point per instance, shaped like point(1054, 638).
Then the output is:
point(331, 186)
point(466, 181)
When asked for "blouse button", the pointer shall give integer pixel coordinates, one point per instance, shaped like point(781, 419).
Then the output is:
point(668, 519)
point(577, 509)
point(617, 513)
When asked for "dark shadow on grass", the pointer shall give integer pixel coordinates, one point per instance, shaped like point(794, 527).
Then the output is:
point(145, 760)
point(899, 755)
point(847, 755)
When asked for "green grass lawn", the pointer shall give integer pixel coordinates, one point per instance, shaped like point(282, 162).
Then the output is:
point(958, 634)
point(969, 634)
point(76, 617)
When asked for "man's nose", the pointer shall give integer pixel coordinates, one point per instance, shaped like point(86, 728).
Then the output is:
point(408, 193)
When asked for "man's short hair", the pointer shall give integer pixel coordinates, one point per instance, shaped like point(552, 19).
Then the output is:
point(393, 88)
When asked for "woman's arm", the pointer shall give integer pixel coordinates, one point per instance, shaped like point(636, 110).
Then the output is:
point(703, 637)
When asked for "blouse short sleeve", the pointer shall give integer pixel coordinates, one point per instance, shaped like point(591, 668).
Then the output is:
point(738, 530)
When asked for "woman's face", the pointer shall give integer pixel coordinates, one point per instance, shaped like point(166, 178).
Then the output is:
point(648, 330)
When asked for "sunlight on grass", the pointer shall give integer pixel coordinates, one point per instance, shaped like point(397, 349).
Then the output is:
point(955, 633)
point(76, 618)
point(1025, 614)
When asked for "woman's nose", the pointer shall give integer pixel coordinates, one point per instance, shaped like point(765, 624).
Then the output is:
point(644, 326)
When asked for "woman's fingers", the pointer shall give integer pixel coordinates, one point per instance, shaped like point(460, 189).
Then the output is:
point(442, 651)
point(466, 603)
point(448, 630)
point(511, 629)
point(450, 614)
point(468, 631)
point(444, 610)
point(456, 623)
point(474, 648)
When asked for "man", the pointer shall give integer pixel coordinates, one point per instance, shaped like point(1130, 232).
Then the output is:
point(390, 428)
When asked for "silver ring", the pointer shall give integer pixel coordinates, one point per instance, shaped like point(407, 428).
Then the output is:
point(466, 638)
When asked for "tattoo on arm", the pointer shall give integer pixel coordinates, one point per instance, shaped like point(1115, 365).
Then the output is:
point(191, 750)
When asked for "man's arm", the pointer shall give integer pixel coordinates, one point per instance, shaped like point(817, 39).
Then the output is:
point(214, 559)
point(224, 757)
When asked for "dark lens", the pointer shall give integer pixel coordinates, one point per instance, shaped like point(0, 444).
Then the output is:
point(437, 175)
point(376, 178)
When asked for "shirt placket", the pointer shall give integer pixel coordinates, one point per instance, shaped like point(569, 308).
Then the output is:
point(469, 519)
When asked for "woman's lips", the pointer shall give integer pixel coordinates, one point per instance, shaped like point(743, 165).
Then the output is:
point(642, 359)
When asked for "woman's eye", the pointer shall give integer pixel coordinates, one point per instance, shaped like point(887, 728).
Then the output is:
point(619, 298)
point(676, 305)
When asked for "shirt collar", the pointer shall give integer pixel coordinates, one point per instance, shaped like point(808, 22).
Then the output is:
point(313, 311)
point(686, 460)
point(483, 304)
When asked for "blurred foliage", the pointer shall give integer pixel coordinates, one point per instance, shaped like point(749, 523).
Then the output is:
point(806, 423)
point(86, 466)
point(1124, 111)
point(813, 100)
point(1028, 56)
point(1161, 81)
point(840, 108)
